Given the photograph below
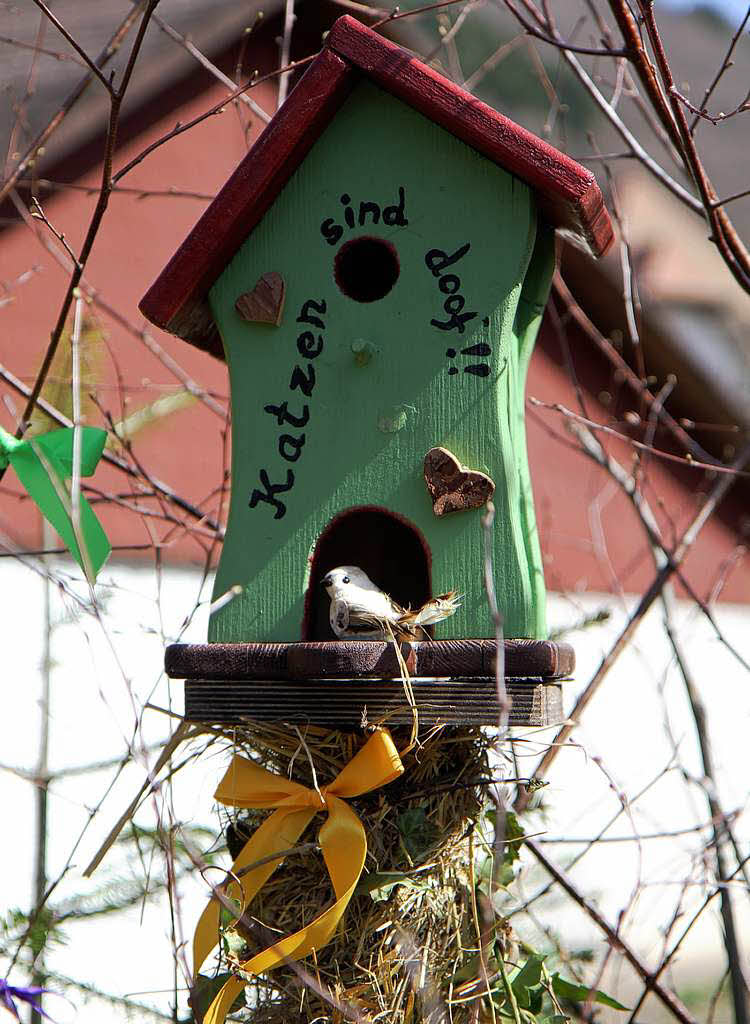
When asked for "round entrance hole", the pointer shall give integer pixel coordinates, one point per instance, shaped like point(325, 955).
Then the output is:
point(366, 268)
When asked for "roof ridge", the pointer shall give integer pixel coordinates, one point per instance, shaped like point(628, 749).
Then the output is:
point(567, 192)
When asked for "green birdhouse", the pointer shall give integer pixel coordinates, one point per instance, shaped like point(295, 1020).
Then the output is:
point(374, 273)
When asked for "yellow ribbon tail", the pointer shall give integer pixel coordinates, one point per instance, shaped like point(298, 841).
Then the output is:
point(222, 1004)
point(279, 832)
point(342, 840)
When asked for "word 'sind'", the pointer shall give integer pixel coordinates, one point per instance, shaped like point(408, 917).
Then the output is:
point(368, 212)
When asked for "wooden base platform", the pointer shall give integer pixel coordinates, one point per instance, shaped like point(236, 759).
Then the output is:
point(347, 684)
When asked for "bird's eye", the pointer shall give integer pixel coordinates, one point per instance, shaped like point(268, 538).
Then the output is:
point(346, 580)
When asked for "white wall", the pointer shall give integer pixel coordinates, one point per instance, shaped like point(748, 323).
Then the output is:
point(103, 674)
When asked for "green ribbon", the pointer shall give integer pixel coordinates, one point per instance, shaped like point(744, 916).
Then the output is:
point(39, 459)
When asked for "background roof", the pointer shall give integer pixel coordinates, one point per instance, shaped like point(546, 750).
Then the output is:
point(162, 62)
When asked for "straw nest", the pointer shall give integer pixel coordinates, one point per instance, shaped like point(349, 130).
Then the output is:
point(408, 939)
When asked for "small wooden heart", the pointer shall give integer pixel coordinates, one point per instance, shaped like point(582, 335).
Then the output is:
point(265, 303)
point(454, 487)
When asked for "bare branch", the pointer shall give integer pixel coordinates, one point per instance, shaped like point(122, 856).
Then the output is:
point(62, 57)
point(724, 67)
point(111, 48)
point(204, 62)
point(84, 57)
point(669, 999)
point(717, 494)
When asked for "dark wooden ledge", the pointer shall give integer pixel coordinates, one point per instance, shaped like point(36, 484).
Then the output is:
point(354, 659)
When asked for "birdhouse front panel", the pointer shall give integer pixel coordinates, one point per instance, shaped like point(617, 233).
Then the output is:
point(384, 306)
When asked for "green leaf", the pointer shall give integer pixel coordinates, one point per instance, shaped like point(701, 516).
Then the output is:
point(417, 831)
point(204, 992)
point(513, 831)
point(581, 993)
point(536, 998)
point(526, 983)
point(35, 477)
point(234, 942)
point(514, 834)
point(530, 974)
point(379, 884)
point(59, 444)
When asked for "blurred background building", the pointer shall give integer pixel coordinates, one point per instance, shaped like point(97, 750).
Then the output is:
point(682, 315)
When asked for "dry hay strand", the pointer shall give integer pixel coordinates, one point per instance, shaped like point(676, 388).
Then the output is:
point(408, 928)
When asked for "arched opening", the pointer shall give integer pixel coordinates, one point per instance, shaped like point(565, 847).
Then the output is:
point(390, 550)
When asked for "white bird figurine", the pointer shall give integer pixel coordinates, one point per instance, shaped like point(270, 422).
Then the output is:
point(360, 609)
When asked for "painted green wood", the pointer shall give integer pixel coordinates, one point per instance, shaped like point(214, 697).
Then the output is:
point(534, 294)
point(370, 423)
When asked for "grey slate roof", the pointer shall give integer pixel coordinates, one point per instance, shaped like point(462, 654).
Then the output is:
point(162, 62)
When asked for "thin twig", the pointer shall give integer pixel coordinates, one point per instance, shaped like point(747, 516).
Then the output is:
point(677, 556)
point(204, 62)
point(150, 342)
point(114, 460)
point(713, 467)
point(217, 108)
point(725, 65)
point(32, 152)
point(721, 829)
point(563, 44)
point(182, 733)
point(90, 64)
point(723, 232)
point(286, 49)
point(116, 98)
point(670, 1000)
point(623, 131)
point(42, 50)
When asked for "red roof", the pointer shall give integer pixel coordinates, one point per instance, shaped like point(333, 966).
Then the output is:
point(567, 193)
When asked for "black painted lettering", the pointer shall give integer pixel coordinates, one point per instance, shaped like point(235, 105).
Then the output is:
point(308, 347)
point(394, 215)
point(449, 284)
point(348, 211)
point(480, 349)
point(305, 382)
point(271, 490)
point(331, 231)
point(371, 208)
point(283, 415)
point(437, 260)
point(458, 320)
point(290, 447)
point(306, 316)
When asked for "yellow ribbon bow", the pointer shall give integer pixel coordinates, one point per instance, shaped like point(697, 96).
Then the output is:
point(342, 840)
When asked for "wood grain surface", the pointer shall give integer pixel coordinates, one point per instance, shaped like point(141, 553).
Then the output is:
point(351, 705)
point(541, 659)
point(330, 435)
point(265, 303)
point(453, 487)
point(567, 192)
point(177, 299)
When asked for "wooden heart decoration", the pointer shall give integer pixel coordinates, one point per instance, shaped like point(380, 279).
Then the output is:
point(265, 303)
point(454, 487)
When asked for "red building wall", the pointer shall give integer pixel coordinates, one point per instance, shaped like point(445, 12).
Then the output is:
point(590, 535)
